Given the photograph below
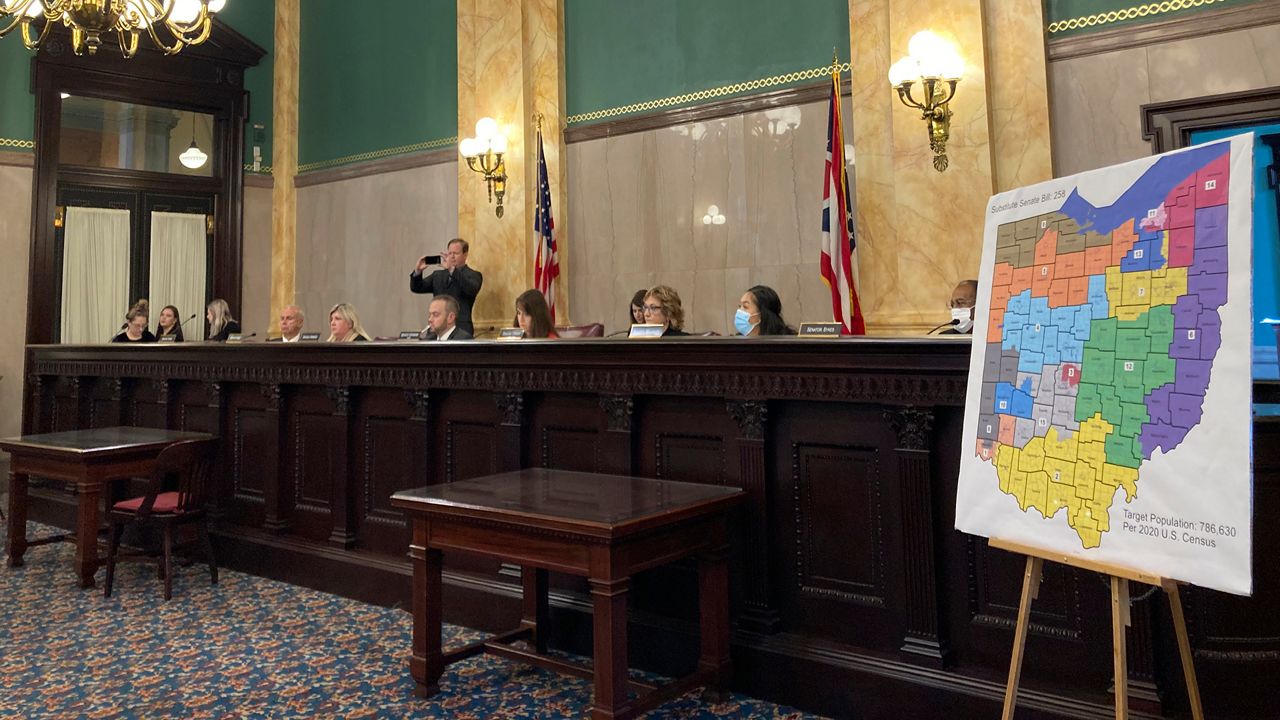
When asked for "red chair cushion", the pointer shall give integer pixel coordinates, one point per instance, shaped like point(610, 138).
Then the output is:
point(165, 503)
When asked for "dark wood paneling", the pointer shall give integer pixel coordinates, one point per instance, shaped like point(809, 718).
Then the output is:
point(852, 591)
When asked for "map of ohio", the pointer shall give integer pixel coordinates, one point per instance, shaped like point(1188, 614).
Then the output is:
point(1103, 328)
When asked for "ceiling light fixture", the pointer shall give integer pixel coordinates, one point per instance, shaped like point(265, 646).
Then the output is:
point(172, 24)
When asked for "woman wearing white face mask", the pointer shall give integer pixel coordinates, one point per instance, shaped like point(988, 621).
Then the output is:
point(760, 313)
point(963, 298)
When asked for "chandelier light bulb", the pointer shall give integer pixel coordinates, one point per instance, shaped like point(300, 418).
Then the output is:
point(185, 11)
point(498, 143)
point(926, 44)
point(904, 71)
point(469, 147)
point(486, 128)
point(217, 5)
point(193, 157)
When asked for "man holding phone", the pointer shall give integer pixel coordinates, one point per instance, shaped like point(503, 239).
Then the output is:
point(455, 279)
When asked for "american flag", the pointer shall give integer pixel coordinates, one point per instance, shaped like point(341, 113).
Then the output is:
point(546, 265)
point(837, 237)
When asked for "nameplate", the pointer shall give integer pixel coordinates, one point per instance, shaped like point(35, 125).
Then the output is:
point(512, 333)
point(414, 335)
point(309, 337)
point(820, 329)
point(235, 338)
point(167, 339)
point(646, 332)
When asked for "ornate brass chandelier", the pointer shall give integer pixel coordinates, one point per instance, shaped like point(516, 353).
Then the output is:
point(172, 24)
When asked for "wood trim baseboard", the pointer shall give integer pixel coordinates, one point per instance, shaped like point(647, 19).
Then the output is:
point(17, 159)
point(1207, 22)
point(394, 163)
point(797, 95)
point(259, 180)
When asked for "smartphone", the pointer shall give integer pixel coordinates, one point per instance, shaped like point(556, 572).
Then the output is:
point(431, 259)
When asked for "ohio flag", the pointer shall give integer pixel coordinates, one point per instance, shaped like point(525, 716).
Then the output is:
point(546, 262)
point(837, 226)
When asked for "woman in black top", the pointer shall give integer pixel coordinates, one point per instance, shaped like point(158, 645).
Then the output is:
point(135, 329)
point(662, 307)
point(221, 324)
point(168, 325)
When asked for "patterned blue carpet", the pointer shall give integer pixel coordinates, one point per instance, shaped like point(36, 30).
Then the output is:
point(250, 648)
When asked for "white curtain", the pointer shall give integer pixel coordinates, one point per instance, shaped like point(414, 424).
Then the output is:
point(178, 269)
point(95, 274)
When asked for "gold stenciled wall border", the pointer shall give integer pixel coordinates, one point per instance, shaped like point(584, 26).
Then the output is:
point(374, 155)
point(1129, 13)
point(15, 143)
point(785, 79)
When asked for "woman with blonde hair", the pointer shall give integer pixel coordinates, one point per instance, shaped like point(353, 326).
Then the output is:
point(135, 328)
point(662, 307)
point(221, 323)
point(344, 324)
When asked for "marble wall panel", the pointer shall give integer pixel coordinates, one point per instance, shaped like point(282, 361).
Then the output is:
point(359, 239)
point(1018, 93)
point(256, 309)
point(1096, 100)
point(15, 253)
point(637, 203)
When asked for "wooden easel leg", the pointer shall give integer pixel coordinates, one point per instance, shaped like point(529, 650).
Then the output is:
point(1184, 648)
point(1120, 621)
point(1030, 589)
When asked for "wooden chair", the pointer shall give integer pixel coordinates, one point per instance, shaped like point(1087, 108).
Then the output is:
point(192, 463)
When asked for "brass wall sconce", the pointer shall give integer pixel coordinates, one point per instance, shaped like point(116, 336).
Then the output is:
point(935, 63)
point(484, 155)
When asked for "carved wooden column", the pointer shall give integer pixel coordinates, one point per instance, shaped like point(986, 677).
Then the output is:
point(420, 433)
point(117, 387)
point(615, 455)
point(511, 431)
point(276, 511)
point(341, 502)
point(76, 418)
point(33, 418)
point(164, 398)
point(221, 495)
point(758, 612)
point(926, 638)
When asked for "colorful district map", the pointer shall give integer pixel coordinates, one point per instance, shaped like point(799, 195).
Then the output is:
point(1103, 330)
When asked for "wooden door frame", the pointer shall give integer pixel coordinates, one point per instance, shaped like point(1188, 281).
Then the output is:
point(208, 78)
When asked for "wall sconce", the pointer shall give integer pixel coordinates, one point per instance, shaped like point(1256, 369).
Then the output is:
point(936, 64)
point(484, 155)
point(713, 216)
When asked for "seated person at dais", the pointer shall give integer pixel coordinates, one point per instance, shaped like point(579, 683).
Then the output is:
point(291, 319)
point(532, 315)
point(344, 324)
point(760, 313)
point(662, 307)
point(442, 320)
point(168, 325)
point(963, 299)
point(135, 328)
point(637, 306)
point(221, 323)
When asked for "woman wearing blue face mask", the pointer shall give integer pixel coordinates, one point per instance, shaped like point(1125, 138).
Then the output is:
point(760, 313)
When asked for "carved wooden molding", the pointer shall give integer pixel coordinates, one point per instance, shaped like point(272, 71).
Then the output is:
point(905, 389)
point(511, 406)
point(750, 416)
point(340, 396)
point(914, 427)
point(271, 393)
point(617, 411)
point(1169, 125)
point(419, 400)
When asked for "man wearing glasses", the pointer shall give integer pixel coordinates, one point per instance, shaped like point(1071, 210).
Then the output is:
point(963, 298)
point(455, 279)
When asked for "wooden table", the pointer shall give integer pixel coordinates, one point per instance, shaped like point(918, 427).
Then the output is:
point(602, 527)
point(89, 459)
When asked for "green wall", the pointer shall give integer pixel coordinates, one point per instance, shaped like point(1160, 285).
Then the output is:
point(252, 18)
point(1064, 10)
point(17, 104)
point(255, 19)
point(368, 86)
point(619, 52)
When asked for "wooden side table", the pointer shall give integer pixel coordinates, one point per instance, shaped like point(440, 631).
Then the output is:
point(602, 527)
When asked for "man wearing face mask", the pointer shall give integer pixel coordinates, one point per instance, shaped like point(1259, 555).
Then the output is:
point(963, 298)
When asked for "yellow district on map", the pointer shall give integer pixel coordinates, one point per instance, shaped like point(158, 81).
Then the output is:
point(1053, 472)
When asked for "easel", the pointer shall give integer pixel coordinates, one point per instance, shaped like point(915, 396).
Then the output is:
point(1120, 577)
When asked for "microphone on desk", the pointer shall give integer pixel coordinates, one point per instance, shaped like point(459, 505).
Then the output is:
point(950, 323)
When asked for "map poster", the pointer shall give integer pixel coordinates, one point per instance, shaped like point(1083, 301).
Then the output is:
point(1109, 410)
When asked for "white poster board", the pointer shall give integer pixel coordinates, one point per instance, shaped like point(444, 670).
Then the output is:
point(1109, 409)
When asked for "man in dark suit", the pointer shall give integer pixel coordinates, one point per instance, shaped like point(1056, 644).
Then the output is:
point(455, 280)
point(442, 320)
